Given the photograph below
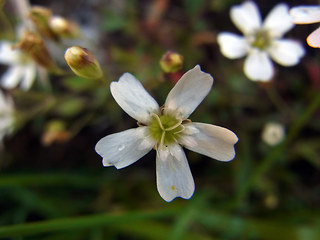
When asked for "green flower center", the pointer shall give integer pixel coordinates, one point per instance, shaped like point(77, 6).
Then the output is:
point(260, 39)
point(165, 129)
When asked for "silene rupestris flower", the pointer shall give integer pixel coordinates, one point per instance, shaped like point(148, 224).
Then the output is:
point(167, 129)
point(308, 15)
point(262, 41)
point(22, 69)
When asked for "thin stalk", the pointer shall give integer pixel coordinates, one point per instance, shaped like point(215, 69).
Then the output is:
point(271, 158)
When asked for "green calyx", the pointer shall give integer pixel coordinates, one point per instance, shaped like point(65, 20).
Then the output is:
point(165, 129)
point(260, 39)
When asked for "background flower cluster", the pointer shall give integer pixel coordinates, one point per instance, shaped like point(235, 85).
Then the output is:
point(52, 183)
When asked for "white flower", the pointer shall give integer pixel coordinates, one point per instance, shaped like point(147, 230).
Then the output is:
point(22, 68)
point(6, 116)
point(273, 133)
point(166, 129)
point(307, 15)
point(261, 40)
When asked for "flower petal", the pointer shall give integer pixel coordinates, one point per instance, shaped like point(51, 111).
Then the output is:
point(278, 21)
point(313, 39)
point(232, 45)
point(246, 17)
point(133, 98)
point(305, 14)
point(188, 93)
point(124, 148)
point(210, 140)
point(286, 52)
point(29, 76)
point(8, 55)
point(174, 178)
point(11, 78)
point(258, 66)
point(6, 116)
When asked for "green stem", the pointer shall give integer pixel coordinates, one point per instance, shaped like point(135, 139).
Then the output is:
point(270, 159)
point(80, 223)
point(276, 99)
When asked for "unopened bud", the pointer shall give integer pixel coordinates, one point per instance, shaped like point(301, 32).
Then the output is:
point(63, 27)
point(40, 17)
point(55, 133)
point(32, 44)
point(273, 133)
point(83, 62)
point(171, 62)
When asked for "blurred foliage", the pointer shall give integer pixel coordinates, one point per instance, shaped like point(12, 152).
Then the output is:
point(61, 191)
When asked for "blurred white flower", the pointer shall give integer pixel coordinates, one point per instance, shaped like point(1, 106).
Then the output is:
point(273, 133)
point(6, 116)
point(166, 129)
point(22, 69)
point(307, 15)
point(261, 40)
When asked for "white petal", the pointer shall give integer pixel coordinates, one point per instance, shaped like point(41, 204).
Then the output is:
point(258, 66)
point(133, 98)
point(286, 52)
point(11, 78)
point(174, 178)
point(210, 140)
point(313, 39)
point(188, 93)
point(246, 17)
point(9, 55)
point(305, 14)
point(6, 116)
point(29, 76)
point(124, 148)
point(278, 21)
point(232, 45)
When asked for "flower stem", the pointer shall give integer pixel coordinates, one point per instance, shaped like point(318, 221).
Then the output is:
point(271, 158)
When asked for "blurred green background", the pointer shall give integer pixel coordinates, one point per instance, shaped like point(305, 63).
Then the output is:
point(53, 185)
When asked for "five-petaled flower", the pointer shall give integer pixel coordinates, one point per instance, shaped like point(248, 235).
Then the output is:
point(261, 40)
point(22, 68)
point(307, 15)
point(166, 129)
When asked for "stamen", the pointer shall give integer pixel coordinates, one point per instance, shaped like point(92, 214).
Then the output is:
point(158, 120)
point(162, 138)
point(174, 126)
point(182, 129)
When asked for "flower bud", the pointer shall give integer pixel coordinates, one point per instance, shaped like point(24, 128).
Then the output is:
point(273, 133)
point(63, 27)
point(171, 62)
point(55, 132)
point(82, 62)
point(40, 16)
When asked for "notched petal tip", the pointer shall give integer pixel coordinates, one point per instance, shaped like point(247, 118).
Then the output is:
point(123, 78)
point(123, 148)
point(174, 178)
point(170, 198)
point(246, 17)
point(212, 141)
point(131, 96)
point(188, 93)
point(313, 39)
